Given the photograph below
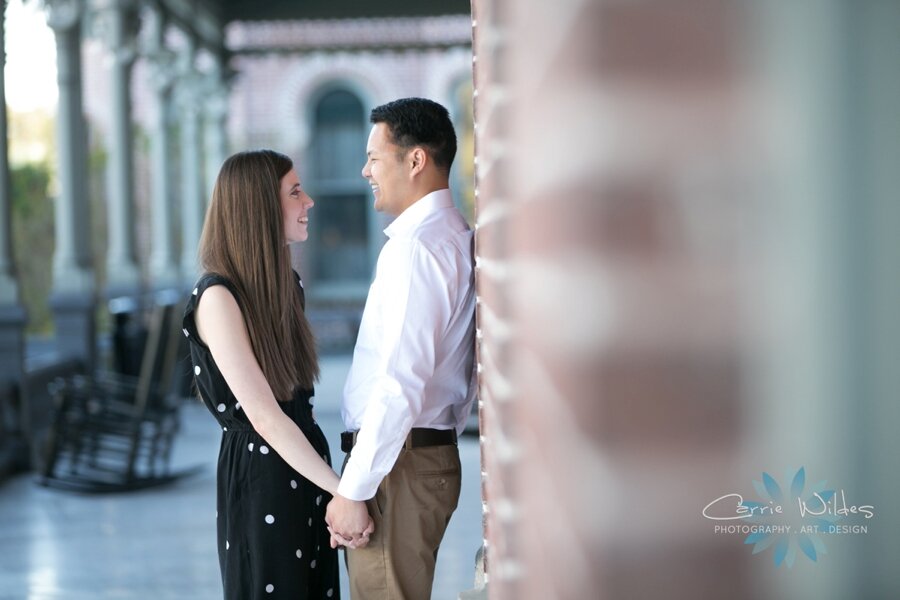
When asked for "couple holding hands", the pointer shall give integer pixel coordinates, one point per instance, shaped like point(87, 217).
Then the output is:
point(281, 509)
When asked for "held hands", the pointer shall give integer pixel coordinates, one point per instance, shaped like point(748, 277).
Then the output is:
point(348, 522)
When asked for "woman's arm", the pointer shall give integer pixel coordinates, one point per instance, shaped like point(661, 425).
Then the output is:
point(221, 327)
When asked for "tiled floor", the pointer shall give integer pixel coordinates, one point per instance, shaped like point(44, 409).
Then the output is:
point(160, 543)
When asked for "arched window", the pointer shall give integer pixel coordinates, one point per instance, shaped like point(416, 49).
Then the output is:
point(341, 258)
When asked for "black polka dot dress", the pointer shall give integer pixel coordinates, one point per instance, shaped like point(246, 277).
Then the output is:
point(272, 539)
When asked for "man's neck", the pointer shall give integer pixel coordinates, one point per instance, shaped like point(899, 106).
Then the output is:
point(423, 191)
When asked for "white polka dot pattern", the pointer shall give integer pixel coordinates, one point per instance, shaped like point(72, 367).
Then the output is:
point(268, 527)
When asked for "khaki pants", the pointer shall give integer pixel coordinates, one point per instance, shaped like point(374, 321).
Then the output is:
point(411, 510)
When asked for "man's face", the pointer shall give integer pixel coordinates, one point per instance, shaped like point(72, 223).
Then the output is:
point(387, 172)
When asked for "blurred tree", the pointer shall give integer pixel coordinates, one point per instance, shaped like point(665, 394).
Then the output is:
point(33, 241)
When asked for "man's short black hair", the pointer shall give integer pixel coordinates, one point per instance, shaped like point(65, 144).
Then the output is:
point(419, 122)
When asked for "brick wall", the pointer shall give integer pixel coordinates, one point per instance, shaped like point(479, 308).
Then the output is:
point(607, 168)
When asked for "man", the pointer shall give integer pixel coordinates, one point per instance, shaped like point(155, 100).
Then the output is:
point(411, 384)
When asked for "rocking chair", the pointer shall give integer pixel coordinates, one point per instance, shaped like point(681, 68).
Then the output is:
point(111, 432)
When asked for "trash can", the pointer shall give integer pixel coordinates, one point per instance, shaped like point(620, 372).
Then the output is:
point(129, 335)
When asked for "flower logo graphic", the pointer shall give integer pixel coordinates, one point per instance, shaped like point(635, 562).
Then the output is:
point(813, 516)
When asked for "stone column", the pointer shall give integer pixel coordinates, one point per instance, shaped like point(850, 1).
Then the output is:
point(163, 259)
point(215, 123)
point(192, 201)
point(73, 297)
point(119, 22)
point(12, 315)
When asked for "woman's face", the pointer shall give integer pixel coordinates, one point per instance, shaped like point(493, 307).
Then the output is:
point(295, 205)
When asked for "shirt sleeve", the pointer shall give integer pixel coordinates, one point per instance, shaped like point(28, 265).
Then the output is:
point(415, 310)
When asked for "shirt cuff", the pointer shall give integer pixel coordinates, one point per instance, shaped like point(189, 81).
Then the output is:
point(358, 485)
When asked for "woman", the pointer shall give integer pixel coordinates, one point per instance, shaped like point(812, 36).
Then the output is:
point(255, 363)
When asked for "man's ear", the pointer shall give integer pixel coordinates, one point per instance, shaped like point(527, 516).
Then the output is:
point(417, 158)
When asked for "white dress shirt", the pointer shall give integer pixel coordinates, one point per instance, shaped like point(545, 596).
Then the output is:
point(413, 365)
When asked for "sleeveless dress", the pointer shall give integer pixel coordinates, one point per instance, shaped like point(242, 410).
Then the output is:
point(272, 537)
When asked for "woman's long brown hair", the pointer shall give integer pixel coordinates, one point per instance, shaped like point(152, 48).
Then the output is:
point(243, 241)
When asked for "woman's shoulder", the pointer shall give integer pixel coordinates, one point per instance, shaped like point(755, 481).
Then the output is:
point(209, 279)
point(215, 290)
point(217, 294)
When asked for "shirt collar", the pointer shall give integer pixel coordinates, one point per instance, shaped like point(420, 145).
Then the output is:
point(416, 213)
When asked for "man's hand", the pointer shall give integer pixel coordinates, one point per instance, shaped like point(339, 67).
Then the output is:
point(348, 522)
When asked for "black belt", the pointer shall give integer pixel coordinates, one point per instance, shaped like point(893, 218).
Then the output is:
point(418, 437)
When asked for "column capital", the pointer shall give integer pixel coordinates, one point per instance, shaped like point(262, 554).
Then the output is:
point(163, 74)
point(216, 103)
point(214, 87)
point(187, 76)
point(187, 91)
point(114, 4)
point(116, 23)
point(162, 60)
point(63, 15)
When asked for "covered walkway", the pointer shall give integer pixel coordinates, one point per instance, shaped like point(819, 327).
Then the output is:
point(160, 543)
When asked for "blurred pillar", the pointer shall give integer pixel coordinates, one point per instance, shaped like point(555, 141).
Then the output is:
point(163, 258)
point(120, 26)
point(192, 200)
point(12, 314)
point(215, 122)
point(607, 167)
point(878, 45)
point(827, 318)
point(73, 298)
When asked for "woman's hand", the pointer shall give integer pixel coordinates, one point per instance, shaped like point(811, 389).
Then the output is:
point(348, 522)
